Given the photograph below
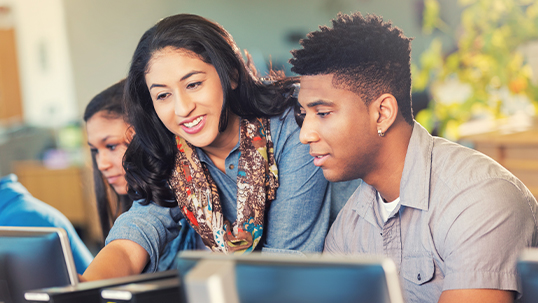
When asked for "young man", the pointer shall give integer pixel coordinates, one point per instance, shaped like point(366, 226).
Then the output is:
point(452, 219)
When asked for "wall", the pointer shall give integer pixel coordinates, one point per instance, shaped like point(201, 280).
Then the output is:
point(102, 37)
point(10, 89)
point(265, 26)
point(44, 61)
point(69, 50)
point(103, 34)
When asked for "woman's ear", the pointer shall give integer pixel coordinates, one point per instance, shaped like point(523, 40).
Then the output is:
point(386, 108)
point(234, 79)
point(233, 84)
point(129, 134)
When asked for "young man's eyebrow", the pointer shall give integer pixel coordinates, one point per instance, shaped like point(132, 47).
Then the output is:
point(320, 102)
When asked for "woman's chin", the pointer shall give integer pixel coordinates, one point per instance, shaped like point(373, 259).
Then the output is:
point(120, 190)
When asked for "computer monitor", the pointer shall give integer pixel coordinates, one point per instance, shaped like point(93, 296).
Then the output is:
point(527, 267)
point(33, 257)
point(283, 278)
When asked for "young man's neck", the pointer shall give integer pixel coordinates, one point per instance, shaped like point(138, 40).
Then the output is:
point(390, 161)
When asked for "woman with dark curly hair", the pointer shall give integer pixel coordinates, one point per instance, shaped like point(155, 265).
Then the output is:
point(214, 146)
point(108, 137)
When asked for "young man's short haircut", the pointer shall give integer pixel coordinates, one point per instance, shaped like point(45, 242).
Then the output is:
point(368, 57)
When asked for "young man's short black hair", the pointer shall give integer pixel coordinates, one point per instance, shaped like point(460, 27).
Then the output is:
point(368, 57)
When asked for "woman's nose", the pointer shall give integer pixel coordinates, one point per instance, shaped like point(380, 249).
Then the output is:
point(183, 106)
point(103, 162)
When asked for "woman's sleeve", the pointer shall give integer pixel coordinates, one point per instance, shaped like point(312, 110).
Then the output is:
point(151, 226)
point(298, 219)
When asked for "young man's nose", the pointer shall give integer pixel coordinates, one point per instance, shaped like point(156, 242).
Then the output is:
point(308, 133)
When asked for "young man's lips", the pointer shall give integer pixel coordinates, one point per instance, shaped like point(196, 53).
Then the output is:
point(319, 159)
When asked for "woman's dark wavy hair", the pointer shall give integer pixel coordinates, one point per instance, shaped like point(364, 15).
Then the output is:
point(368, 57)
point(149, 160)
point(109, 102)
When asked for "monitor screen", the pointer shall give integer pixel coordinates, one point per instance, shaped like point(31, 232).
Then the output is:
point(527, 267)
point(278, 278)
point(265, 282)
point(31, 258)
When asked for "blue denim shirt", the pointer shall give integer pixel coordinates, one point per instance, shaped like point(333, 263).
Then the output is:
point(297, 220)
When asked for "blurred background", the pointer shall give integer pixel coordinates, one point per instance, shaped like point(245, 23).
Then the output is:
point(475, 67)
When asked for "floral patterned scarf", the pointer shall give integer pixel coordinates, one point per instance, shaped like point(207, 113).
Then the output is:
point(257, 182)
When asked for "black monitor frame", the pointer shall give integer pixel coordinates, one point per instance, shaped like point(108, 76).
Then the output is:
point(34, 257)
point(527, 267)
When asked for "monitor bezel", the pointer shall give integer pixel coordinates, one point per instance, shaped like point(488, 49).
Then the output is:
point(392, 277)
point(16, 231)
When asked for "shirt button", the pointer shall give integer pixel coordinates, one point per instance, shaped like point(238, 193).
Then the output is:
point(231, 166)
point(418, 277)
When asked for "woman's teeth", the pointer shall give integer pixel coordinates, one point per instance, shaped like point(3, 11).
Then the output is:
point(193, 123)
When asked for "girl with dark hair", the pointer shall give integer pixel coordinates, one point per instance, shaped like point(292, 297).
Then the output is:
point(215, 148)
point(107, 137)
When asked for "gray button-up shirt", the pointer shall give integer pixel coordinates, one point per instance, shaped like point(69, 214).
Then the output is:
point(461, 223)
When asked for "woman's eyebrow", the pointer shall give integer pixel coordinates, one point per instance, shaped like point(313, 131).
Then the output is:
point(182, 79)
point(191, 74)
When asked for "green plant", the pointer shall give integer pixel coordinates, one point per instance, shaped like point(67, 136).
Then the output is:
point(485, 72)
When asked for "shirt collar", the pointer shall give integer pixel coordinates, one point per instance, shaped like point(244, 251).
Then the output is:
point(10, 188)
point(415, 182)
point(11, 178)
point(364, 198)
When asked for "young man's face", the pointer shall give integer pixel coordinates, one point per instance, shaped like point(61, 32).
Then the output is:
point(341, 132)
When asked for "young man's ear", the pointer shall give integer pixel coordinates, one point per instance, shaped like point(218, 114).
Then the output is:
point(386, 110)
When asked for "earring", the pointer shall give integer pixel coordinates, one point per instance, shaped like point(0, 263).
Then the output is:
point(380, 133)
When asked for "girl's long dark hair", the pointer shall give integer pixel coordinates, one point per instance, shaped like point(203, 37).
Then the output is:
point(109, 102)
point(149, 159)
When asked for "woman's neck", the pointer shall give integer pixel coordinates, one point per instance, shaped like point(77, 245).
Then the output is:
point(219, 150)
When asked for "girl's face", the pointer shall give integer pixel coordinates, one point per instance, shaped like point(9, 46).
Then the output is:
point(107, 138)
point(187, 96)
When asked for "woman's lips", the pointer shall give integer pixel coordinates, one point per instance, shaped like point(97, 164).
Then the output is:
point(196, 125)
point(113, 179)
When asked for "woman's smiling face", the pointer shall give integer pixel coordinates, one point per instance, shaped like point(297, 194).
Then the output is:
point(187, 96)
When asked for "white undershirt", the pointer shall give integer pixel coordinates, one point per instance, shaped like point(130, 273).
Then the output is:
point(385, 208)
